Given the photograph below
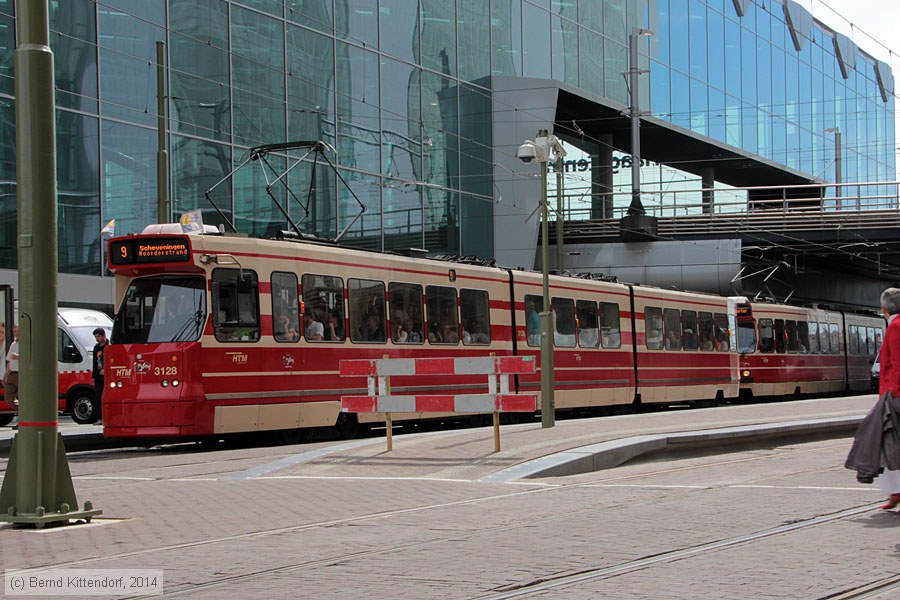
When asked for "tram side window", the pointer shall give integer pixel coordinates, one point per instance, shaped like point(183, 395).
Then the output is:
point(835, 338)
point(323, 302)
point(407, 310)
point(779, 336)
point(790, 329)
point(533, 307)
point(803, 337)
point(443, 320)
point(878, 334)
point(766, 336)
point(474, 312)
point(673, 328)
point(705, 333)
point(610, 326)
point(563, 322)
point(588, 330)
point(236, 305)
point(870, 340)
point(689, 329)
point(824, 346)
point(861, 340)
point(720, 329)
point(285, 308)
point(813, 337)
point(653, 328)
point(366, 310)
point(855, 335)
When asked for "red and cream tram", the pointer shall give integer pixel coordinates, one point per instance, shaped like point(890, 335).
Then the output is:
point(222, 334)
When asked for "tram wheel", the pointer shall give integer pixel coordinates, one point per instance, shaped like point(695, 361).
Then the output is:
point(289, 437)
point(347, 426)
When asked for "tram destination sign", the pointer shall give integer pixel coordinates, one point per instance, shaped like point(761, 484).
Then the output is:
point(140, 251)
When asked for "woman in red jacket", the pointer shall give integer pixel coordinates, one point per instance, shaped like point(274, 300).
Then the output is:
point(889, 481)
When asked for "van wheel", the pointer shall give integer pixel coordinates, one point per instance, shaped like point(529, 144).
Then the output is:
point(5, 420)
point(83, 408)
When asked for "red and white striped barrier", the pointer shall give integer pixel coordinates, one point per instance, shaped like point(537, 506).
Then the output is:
point(497, 400)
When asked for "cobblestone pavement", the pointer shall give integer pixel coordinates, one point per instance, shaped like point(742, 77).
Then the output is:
point(355, 521)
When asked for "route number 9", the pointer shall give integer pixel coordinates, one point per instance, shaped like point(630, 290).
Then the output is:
point(123, 251)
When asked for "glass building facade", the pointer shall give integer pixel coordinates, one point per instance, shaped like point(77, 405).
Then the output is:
point(402, 90)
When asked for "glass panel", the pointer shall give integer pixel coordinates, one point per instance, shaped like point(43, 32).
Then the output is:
point(779, 336)
point(803, 337)
point(673, 329)
point(474, 21)
point(535, 55)
point(439, 36)
point(835, 338)
point(746, 337)
point(235, 305)
point(721, 332)
point(285, 307)
point(359, 141)
point(443, 323)
point(824, 345)
point(705, 334)
point(402, 215)
point(128, 34)
point(476, 224)
point(357, 21)
point(406, 313)
point(813, 338)
point(588, 328)
point(564, 50)
point(366, 310)
point(563, 322)
point(534, 305)
point(610, 333)
point(198, 68)
point(697, 36)
point(476, 165)
point(318, 15)
point(323, 300)
point(689, 329)
point(870, 341)
point(66, 349)
point(257, 66)
point(161, 309)
point(791, 332)
point(255, 212)
point(506, 37)
point(590, 73)
point(273, 7)
point(366, 230)
point(73, 34)
point(310, 85)
point(475, 315)
point(78, 193)
point(653, 327)
point(196, 167)
point(766, 336)
point(129, 176)
point(7, 46)
point(855, 339)
point(399, 22)
point(400, 120)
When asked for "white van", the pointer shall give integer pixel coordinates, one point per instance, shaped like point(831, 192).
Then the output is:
point(75, 348)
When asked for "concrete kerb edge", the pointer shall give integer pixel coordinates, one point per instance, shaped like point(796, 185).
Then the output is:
point(607, 455)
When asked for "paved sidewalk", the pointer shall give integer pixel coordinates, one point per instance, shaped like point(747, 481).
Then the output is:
point(349, 520)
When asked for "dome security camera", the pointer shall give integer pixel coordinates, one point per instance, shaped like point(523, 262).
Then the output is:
point(526, 152)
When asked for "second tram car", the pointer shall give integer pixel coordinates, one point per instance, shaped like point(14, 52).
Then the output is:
point(221, 334)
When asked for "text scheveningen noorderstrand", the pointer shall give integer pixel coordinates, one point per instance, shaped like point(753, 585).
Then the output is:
point(84, 582)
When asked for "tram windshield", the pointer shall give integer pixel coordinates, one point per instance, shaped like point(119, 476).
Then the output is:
point(161, 309)
point(746, 336)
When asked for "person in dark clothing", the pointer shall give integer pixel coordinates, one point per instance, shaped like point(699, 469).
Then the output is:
point(97, 373)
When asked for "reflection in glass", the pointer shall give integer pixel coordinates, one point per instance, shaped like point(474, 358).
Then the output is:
point(73, 36)
point(197, 165)
point(129, 176)
point(78, 193)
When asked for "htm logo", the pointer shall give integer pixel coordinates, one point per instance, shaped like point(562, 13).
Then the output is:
point(122, 372)
point(238, 358)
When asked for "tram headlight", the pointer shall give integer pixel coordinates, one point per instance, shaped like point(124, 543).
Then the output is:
point(175, 383)
point(119, 384)
point(112, 384)
point(164, 383)
point(745, 373)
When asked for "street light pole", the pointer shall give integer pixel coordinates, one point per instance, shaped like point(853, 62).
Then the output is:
point(544, 148)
